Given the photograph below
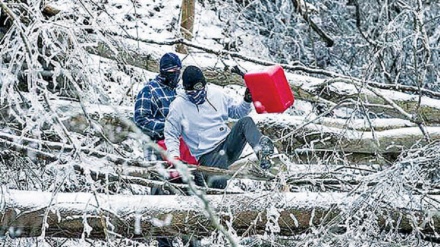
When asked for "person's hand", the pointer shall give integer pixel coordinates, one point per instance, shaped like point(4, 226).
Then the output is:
point(237, 70)
point(173, 173)
point(171, 161)
point(247, 95)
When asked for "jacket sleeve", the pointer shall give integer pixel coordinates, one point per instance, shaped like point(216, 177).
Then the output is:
point(143, 115)
point(173, 131)
point(237, 110)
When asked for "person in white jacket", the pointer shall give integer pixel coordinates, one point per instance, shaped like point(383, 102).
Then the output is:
point(200, 115)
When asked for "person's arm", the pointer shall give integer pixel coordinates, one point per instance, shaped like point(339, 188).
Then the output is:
point(173, 131)
point(244, 107)
point(238, 110)
point(143, 115)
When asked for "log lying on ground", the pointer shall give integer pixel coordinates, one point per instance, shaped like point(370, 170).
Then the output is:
point(356, 141)
point(375, 99)
point(139, 172)
point(357, 136)
point(307, 144)
point(323, 178)
point(73, 215)
point(316, 136)
point(135, 171)
point(134, 57)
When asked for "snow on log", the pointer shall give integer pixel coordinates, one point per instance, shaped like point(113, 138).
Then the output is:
point(76, 215)
point(358, 136)
point(359, 140)
point(373, 98)
point(362, 140)
point(291, 133)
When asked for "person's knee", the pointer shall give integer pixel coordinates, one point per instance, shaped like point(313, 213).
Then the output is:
point(246, 121)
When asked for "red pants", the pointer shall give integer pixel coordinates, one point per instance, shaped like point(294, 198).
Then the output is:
point(185, 155)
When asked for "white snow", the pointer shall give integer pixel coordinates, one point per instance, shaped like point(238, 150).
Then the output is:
point(153, 25)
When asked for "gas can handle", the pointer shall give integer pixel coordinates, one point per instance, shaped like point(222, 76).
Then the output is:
point(237, 70)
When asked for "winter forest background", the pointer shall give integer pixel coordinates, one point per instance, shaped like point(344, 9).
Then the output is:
point(358, 152)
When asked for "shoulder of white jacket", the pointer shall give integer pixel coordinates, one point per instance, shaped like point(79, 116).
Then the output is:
point(179, 102)
point(214, 90)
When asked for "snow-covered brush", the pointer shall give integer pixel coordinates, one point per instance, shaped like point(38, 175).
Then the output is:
point(45, 60)
point(400, 197)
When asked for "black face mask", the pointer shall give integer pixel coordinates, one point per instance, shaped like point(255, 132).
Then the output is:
point(171, 78)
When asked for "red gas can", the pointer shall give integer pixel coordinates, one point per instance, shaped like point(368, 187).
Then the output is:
point(270, 90)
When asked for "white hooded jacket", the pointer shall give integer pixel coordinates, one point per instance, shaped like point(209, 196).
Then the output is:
point(203, 126)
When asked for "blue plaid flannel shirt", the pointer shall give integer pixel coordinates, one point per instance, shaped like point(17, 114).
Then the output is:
point(152, 107)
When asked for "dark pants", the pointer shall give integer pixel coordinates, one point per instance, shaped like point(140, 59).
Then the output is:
point(244, 131)
point(168, 242)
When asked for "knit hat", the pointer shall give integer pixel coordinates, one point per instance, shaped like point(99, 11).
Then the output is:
point(169, 61)
point(191, 76)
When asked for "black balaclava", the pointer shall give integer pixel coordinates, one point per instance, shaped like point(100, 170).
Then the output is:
point(170, 66)
point(194, 84)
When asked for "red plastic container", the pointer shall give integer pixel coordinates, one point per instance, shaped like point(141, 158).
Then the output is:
point(270, 90)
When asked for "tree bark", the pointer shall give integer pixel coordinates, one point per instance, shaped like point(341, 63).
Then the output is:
point(72, 215)
point(186, 23)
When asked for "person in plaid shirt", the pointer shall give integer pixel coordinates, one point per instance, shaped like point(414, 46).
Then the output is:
point(153, 101)
point(150, 110)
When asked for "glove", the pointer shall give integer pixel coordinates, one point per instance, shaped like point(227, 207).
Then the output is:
point(236, 70)
point(247, 95)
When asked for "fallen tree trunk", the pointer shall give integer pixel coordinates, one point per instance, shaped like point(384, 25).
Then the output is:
point(378, 100)
point(291, 134)
point(73, 215)
point(320, 133)
point(358, 141)
point(317, 90)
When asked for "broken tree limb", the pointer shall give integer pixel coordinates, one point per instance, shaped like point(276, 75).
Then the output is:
point(73, 215)
point(304, 13)
point(142, 176)
point(134, 170)
point(296, 175)
point(293, 133)
point(349, 130)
